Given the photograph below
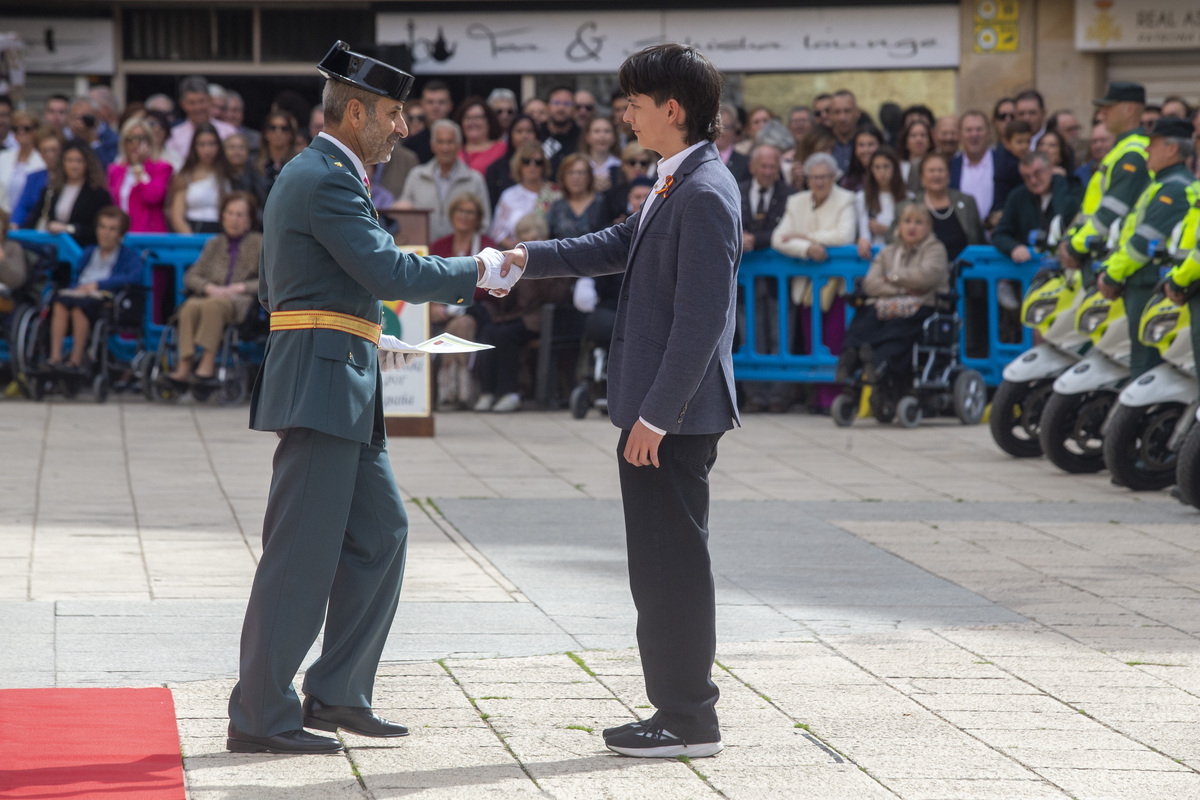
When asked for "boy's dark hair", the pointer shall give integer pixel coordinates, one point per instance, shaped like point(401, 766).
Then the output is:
point(681, 73)
point(1015, 126)
point(5, 100)
point(822, 96)
point(562, 87)
point(435, 85)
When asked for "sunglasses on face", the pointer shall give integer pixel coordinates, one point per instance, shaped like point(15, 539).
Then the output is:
point(537, 161)
point(1006, 116)
point(637, 162)
point(284, 128)
point(586, 106)
point(418, 118)
point(24, 128)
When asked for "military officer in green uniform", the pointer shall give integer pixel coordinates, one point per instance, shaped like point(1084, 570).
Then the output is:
point(335, 530)
point(1120, 178)
point(1147, 228)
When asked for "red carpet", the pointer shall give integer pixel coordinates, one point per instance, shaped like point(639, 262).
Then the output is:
point(89, 743)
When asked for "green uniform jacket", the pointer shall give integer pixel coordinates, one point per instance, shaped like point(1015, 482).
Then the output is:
point(1119, 180)
point(1161, 207)
point(323, 249)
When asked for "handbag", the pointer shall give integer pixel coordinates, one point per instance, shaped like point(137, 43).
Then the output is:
point(900, 307)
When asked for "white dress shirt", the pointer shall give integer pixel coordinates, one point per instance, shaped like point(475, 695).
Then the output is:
point(979, 181)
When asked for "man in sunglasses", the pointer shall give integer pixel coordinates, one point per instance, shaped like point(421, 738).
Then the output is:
point(585, 108)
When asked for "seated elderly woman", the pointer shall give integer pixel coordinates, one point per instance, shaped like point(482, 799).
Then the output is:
point(901, 288)
point(223, 283)
point(824, 216)
point(512, 322)
point(105, 267)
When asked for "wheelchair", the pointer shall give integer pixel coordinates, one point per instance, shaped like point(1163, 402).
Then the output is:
point(936, 384)
point(240, 354)
point(22, 303)
point(114, 349)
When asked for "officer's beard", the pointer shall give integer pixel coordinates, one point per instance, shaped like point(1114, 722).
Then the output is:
point(377, 142)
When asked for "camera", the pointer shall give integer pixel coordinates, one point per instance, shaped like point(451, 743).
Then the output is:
point(89, 120)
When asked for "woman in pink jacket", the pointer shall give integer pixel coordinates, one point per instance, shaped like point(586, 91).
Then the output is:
point(138, 179)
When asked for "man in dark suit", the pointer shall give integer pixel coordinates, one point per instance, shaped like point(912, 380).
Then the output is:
point(334, 532)
point(670, 383)
point(973, 170)
point(1031, 207)
point(764, 202)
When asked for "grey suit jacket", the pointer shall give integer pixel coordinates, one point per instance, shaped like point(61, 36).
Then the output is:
point(671, 356)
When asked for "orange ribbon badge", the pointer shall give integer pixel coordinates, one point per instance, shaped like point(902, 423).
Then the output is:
point(666, 186)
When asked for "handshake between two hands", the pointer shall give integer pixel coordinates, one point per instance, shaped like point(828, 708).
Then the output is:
point(500, 271)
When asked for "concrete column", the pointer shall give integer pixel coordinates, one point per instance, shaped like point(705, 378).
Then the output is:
point(1066, 77)
point(983, 78)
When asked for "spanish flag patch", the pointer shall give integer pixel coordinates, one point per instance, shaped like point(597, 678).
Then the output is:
point(1165, 199)
point(1129, 167)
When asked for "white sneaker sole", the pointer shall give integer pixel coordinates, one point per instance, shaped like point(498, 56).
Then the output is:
point(671, 751)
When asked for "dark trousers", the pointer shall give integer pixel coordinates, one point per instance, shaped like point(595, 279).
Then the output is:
point(499, 369)
point(334, 534)
point(670, 575)
point(1139, 287)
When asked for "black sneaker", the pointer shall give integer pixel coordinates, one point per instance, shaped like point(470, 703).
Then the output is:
point(655, 741)
point(628, 726)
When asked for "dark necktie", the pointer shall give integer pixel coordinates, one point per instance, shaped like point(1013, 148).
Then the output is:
point(762, 204)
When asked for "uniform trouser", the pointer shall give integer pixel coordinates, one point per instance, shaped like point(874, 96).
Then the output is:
point(334, 533)
point(670, 575)
point(1194, 311)
point(1138, 289)
point(202, 321)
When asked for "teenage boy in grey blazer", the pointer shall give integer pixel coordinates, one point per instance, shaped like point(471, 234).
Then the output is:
point(670, 383)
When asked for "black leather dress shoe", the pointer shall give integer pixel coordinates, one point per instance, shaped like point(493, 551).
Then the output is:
point(297, 741)
point(354, 719)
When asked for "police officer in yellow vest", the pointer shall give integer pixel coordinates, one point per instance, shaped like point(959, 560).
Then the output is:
point(1148, 228)
point(1119, 179)
point(334, 532)
point(1183, 281)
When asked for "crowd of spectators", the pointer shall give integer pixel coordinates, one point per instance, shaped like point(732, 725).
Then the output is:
point(491, 170)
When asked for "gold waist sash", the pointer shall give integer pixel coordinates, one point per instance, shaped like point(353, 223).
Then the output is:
point(329, 320)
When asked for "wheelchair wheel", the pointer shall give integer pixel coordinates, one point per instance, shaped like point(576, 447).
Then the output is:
point(883, 407)
point(844, 410)
point(1187, 468)
point(908, 410)
point(1135, 446)
point(1069, 430)
point(1016, 414)
point(100, 387)
point(581, 400)
point(201, 392)
point(970, 397)
point(233, 388)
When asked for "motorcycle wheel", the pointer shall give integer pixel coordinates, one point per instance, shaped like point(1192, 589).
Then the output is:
point(1016, 413)
point(1070, 430)
point(1187, 468)
point(1135, 446)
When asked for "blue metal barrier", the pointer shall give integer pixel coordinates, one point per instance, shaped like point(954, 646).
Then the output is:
point(166, 256)
point(977, 308)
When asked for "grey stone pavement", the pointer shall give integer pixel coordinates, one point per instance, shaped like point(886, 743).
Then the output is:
point(903, 614)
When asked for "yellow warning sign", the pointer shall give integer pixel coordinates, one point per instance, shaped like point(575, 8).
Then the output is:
point(996, 26)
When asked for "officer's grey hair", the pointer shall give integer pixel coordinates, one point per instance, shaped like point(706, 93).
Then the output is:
point(193, 84)
point(449, 124)
point(775, 133)
point(501, 93)
point(1187, 148)
point(83, 98)
point(337, 97)
point(822, 159)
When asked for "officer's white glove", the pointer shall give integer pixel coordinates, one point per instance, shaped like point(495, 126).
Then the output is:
point(585, 296)
point(496, 285)
point(389, 358)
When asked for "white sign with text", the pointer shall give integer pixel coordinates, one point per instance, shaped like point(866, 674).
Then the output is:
point(1111, 25)
point(752, 40)
point(64, 45)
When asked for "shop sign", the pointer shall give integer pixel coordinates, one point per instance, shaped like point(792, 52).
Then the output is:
point(755, 40)
point(77, 46)
point(1111, 25)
